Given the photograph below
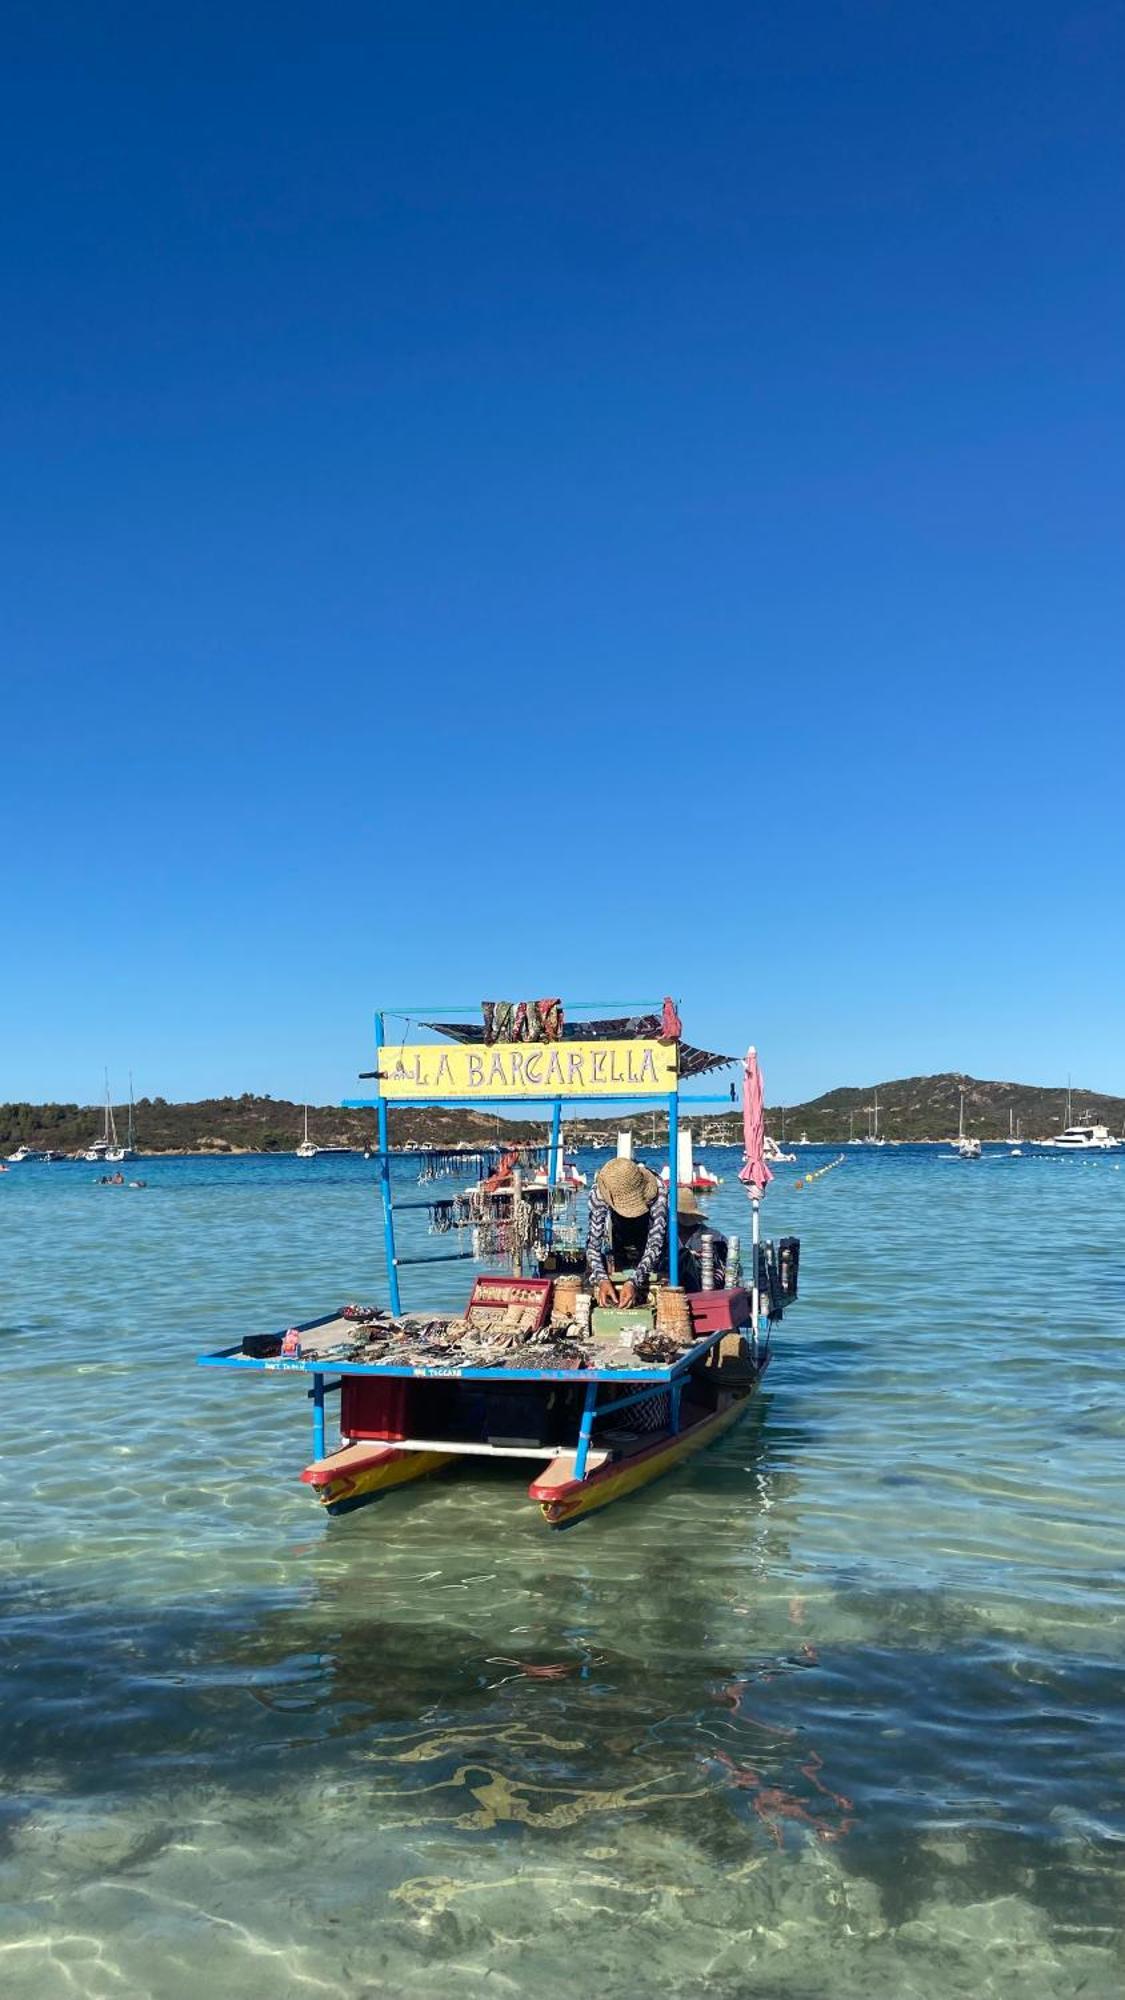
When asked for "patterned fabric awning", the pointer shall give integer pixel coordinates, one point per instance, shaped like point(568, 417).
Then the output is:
point(627, 1028)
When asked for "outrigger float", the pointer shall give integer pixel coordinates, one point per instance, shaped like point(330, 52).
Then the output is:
point(603, 1401)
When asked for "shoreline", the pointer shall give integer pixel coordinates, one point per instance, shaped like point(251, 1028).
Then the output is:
point(578, 1144)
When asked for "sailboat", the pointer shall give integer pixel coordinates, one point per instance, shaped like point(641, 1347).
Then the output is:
point(129, 1150)
point(107, 1147)
point(969, 1149)
point(306, 1150)
point(872, 1137)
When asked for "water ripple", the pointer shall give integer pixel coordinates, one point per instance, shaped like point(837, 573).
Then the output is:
point(840, 1707)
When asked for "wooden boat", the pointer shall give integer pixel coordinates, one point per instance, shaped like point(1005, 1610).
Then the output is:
point(600, 1413)
point(564, 1498)
point(357, 1472)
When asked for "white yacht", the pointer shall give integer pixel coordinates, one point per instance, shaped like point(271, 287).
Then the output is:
point(1083, 1139)
point(23, 1153)
point(306, 1150)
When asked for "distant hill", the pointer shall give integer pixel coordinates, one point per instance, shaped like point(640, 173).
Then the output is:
point(913, 1107)
point(910, 1108)
point(236, 1125)
point(926, 1107)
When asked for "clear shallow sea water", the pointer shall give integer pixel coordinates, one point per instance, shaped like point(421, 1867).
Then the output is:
point(837, 1710)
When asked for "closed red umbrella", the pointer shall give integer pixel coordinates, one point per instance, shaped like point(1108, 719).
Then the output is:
point(754, 1170)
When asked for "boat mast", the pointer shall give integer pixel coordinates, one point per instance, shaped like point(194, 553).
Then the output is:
point(132, 1133)
point(961, 1116)
point(875, 1127)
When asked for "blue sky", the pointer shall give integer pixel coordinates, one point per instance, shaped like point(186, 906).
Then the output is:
point(600, 499)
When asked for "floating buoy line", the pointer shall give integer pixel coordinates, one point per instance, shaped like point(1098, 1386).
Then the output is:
point(810, 1178)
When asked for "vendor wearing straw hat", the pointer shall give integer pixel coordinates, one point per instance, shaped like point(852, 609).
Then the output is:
point(628, 1233)
point(692, 1225)
point(628, 1230)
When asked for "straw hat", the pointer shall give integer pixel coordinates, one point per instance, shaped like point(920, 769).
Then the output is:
point(687, 1206)
point(628, 1187)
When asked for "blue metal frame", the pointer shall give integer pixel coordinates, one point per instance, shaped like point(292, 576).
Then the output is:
point(474, 1103)
point(385, 1186)
point(378, 1103)
point(233, 1357)
point(593, 1412)
point(673, 1184)
point(553, 1164)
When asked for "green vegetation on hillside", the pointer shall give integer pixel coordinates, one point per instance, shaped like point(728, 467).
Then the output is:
point(926, 1107)
point(915, 1107)
point(235, 1125)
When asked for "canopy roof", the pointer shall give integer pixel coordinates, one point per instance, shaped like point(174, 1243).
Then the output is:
point(623, 1028)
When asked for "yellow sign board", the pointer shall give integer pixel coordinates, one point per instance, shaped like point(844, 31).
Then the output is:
point(528, 1069)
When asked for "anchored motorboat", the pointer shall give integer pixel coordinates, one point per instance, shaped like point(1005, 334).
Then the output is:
point(1083, 1139)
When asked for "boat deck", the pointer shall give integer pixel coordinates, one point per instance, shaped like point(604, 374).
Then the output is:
point(332, 1331)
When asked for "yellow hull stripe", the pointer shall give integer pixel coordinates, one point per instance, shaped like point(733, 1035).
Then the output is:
point(397, 1471)
point(629, 1477)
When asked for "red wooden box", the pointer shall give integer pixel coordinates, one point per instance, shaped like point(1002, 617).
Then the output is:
point(719, 1312)
point(532, 1295)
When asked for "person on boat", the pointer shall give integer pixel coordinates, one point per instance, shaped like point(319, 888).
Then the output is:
point(628, 1231)
point(692, 1225)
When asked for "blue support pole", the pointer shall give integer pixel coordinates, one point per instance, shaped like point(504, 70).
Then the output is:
point(385, 1185)
point(318, 1415)
point(673, 1181)
point(676, 1392)
point(585, 1429)
point(553, 1163)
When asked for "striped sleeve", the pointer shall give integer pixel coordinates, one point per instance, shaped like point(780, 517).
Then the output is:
point(596, 1237)
point(649, 1261)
